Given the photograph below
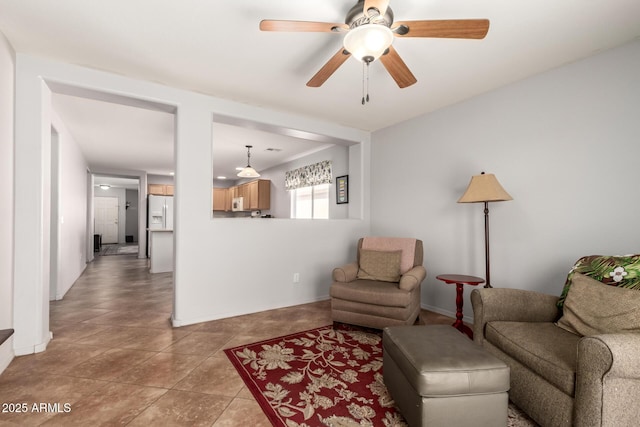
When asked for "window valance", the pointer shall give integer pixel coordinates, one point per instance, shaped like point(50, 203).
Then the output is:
point(307, 176)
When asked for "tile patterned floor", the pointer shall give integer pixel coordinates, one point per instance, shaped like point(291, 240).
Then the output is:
point(116, 360)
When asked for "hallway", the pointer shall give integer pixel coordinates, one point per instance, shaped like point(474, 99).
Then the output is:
point(115, 359)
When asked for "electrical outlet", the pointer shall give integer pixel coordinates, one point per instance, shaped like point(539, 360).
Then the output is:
point(296, 277)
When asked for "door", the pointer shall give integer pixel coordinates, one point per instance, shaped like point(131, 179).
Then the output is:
point(106, 218)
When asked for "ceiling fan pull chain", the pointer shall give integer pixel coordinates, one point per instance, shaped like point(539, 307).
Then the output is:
point(363, 83)
point(368, 81)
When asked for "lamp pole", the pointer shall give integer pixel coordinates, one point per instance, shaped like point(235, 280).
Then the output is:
point(486, 245)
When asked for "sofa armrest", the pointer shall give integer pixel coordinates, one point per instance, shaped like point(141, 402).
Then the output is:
point(412, 278)
point(608, 376)
point(346, 273)
point(516, 305)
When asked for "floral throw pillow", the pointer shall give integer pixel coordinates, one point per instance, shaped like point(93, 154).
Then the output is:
point(621, 271)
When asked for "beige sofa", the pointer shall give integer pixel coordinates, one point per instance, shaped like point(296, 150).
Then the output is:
point(382, 288)
point(563, 378)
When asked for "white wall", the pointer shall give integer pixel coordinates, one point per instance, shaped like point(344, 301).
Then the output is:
point(215, 275)
point(72, 196)
point(160, 179)
point(7, 65)
point(564, 144)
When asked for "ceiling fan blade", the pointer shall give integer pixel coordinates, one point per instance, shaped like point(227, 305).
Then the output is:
point(452, 28)
point(301, 26)
point(380, 5)
point(329, 68)
point(397, 68)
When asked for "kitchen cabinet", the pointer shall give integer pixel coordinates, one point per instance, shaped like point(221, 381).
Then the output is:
point(222, 199)
point(160, 189)
point(256, 196)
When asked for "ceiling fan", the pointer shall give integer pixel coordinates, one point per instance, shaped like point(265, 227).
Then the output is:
point(369, 31)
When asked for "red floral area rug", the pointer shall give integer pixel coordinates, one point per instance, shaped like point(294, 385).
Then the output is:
point(320, 377)
point(325, 377)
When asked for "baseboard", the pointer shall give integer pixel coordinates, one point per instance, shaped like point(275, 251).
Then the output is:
point(6, 354)
point(186, 322)
point(38, 348)
point(466, 319)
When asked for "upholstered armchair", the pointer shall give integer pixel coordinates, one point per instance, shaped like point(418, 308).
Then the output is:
point(574, 359)
point(382, 288)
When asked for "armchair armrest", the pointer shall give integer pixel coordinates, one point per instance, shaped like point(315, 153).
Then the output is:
point(608, 376)
point(346, 273)
point(412, 278)
point(516, 305)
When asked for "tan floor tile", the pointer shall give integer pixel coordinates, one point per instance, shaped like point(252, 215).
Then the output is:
point(243, 412)
point(162, 370)
point(75, 331)
point(154, 339)
point(59, 357)
point(16, 387)
point(200, 343)
point(110, 364)
point(115, 404)
point(77, 314)
point(244, 394)
point(141, 319)
point(111, 336)
point(182, 408)
point(232, 325)
point(216, 375)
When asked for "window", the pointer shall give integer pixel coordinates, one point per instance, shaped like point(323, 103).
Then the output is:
point(309, 189)
point(310, 202)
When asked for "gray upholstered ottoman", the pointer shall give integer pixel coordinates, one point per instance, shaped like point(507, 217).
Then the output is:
point(438, 377)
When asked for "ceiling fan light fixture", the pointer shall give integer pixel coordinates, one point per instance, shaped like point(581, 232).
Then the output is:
point(248, 171)
point(368, 42)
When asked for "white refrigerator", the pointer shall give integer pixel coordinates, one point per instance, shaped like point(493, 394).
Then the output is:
point(160, 212)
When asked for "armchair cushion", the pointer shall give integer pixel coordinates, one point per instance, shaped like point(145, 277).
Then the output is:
point(544, 348)
point(379, 265)
point(622, 271)
point(407, 246)
point(591, 308)
point(372, 292)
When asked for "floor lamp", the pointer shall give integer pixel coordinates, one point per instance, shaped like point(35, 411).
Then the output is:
point(485, 188)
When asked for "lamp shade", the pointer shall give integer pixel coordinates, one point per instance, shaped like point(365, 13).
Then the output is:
point(484, 188)
point(368, 41)
point(248, 172)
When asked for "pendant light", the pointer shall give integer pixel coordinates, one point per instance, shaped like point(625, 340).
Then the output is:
point(248, 171)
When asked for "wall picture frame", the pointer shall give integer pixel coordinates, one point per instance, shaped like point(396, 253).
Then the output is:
point(342, 189)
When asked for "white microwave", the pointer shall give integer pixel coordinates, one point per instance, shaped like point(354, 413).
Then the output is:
point(237, 204)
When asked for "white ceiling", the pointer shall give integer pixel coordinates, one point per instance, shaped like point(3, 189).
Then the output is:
point(215, 47)
point(130, 138)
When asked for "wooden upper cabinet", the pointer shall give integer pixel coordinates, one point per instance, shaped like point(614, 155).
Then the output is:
point(259, 194)
point(256, 195)
point(160, 189)
point(221, 199)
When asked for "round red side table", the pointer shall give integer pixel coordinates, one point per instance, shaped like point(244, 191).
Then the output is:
point(460, 280)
